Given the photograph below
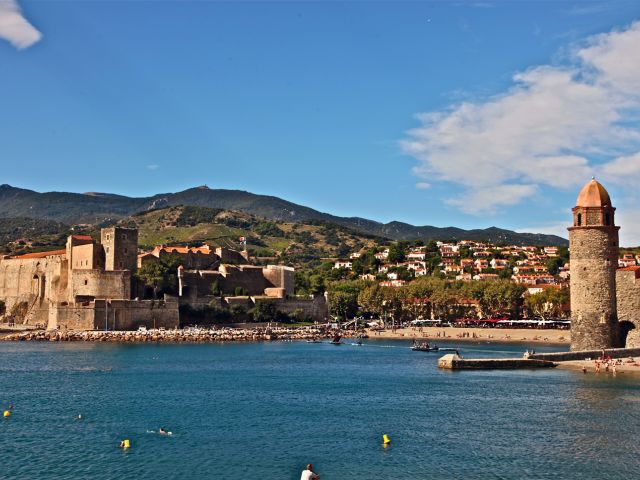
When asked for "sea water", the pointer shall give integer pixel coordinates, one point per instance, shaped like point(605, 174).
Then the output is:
point(265, 410)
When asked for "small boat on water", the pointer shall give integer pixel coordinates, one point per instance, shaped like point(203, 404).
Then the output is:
point(421, 348)
point(424, 347)
point(313, 340)
point(358, 342)
point(336, 340)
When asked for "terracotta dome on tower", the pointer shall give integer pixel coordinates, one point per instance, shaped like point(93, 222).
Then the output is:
point(593, 194)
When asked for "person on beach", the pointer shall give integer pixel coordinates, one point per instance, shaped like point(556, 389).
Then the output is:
point(309, 474)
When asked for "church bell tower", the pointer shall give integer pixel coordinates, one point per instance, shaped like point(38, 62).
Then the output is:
point(593, 244)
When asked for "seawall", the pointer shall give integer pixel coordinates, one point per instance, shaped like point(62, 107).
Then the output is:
point(455, 362)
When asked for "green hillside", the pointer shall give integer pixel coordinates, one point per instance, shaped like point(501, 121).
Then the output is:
point(97, 208)
point(296, 243)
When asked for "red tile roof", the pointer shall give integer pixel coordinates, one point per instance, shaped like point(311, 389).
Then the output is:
point(634, 268)
point(40, 254)
point(204, 249)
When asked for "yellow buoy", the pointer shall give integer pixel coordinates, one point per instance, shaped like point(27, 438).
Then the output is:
point(125, 443)
point(6, 413)
point(385, 439)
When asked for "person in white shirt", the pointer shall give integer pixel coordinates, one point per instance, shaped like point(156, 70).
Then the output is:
point(309, 474)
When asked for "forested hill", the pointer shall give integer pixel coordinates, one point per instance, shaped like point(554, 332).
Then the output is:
point(97, 208)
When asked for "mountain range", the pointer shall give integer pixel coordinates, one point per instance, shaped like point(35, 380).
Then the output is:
point(102, 208)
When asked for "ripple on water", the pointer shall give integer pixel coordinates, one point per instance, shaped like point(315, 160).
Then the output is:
point(267, 409)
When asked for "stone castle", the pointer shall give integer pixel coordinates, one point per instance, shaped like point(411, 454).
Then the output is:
point(90, 285)
point(605, 300)
point(86, 286)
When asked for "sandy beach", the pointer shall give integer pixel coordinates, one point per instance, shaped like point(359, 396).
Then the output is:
point(512, 335)
point(590, 367)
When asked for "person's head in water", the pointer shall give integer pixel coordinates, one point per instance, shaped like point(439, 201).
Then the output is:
point(310, 467)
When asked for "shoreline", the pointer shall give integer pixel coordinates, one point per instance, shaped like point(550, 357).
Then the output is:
point(492, 335)
point(260, 334)
point(588, 367)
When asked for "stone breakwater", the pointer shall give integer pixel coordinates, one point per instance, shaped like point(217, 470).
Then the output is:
point(176, 336)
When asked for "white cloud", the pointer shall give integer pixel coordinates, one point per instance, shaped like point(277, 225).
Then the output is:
point(423, 185)
point(14, 27)
point(487, 200)
point(622, 170)
point(541, 131)
point(153, 166)
point(629, 226)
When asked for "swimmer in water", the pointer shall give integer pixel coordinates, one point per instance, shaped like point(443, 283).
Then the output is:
point(162, 431)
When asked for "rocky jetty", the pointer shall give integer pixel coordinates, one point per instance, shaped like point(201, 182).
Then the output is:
point(193, 335)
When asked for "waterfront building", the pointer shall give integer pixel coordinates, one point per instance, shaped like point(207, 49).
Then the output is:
point(593, 244)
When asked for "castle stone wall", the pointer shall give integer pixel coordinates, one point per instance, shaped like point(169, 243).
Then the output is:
point(101, 284)
point(628, 303)
point(80, 316)
point(315, 308)
point(250, 278)
point(116, 315)
point(280, 277)
point(36, 281)
point(120, 248)
point(88, 257)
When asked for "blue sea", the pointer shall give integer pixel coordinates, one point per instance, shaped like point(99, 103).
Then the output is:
point(265, 410)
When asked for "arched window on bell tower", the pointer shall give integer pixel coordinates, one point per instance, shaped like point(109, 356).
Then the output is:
point(579, 220)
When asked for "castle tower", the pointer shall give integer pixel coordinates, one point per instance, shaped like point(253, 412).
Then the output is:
point(593, 244)
point(120, 248)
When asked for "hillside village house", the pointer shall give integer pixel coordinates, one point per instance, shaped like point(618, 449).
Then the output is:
point(417, 256)
point(346, 264)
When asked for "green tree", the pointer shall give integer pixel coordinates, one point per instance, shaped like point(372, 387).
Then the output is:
point(396, 253)
point(366, 263)
point(505, 274)
point(162, 275)
point(264, 312)
point(371, 299)
point(553, 265)
point(215, 288)
point(392, 304)
point(343, 304)
point(432, 247)
point(238, 310)
point(316, 284)
point(549, 303)
point(502, 296)
point(402, 272)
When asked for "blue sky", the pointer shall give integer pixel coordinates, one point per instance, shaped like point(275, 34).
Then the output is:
point(460, 113)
